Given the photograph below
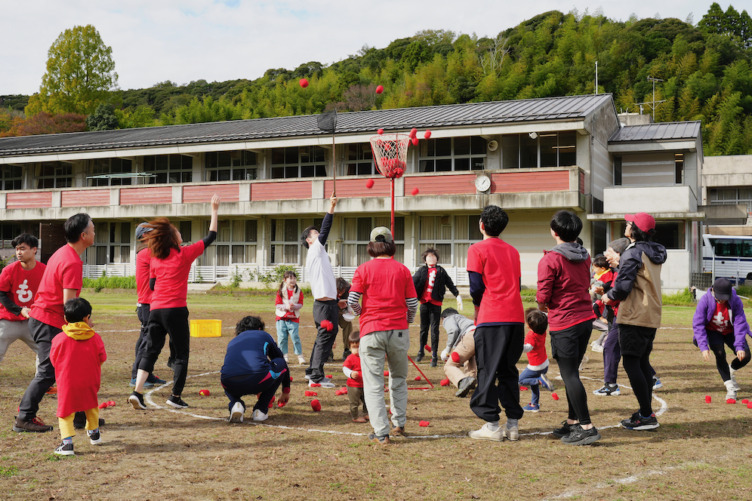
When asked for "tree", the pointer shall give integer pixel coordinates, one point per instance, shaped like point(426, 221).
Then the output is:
point(80, 74)
point(103, 118)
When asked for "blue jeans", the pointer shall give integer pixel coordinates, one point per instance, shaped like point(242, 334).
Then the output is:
point(530, 378)
point(285, 328)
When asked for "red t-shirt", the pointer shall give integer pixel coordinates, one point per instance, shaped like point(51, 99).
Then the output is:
point(384, 284)
point(430, 281)
point(721, 321)
point(171, 287)
point(352, 362)
point(64, 271)
point(537, 355)
point(143, 259)
point(289, 315)
point(21, 286)
point(499, 265)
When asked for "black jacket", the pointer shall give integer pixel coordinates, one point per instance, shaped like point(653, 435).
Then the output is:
point(443, 280)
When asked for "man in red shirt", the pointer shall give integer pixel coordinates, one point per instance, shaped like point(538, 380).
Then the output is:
point(493, 267)
point(62, 280)
point(19, 282)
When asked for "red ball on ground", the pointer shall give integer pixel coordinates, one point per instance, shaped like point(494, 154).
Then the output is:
point(745, 401)
point(204, 393)
point(329, 376)
point(455, 357)
point(315, 385)
point(379, 89)
point(369, 184)
point(417, 378)
point(554, 396)
point(271, 402)
point(708, 399)
point(315, 405)
point(304, 82)
point(424, 424)
point(309, 393)
point(444, 382)
point(749, 405)
point(291, 379)
point(428, 348)
point(427, 134)
point(730, 401)
point(110, 403)
point(103, 405)
point(523, 388)
point(415, 191)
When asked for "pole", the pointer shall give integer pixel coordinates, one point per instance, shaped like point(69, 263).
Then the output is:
point(334, 168)
point(596, 78)
point(392, 226)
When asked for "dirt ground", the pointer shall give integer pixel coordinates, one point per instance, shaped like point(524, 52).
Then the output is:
point(700, 451)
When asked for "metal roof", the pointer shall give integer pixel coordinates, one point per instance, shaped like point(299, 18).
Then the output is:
point(453, 115)
point(664, 131)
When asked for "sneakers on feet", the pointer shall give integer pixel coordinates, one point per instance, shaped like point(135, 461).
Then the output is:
point(324, 383)
point(65, 449)
point(287, 358)
point(580, 436)
point(732, 373)
point(465, 385)
point(236, 413)
point(486, 433)
point(657, 383)
point(546, 383)
point(95, 438)
point(730, 389)
point(155, 380)
point(176, 402)
point(434, 362)
point(399, 431)
point(259, 416)
point(132, 383)
point(531, 407)
point(596, 347)
point(137, 401)
point(419, 357)
point(80, 423)
point(564, 430)
point(301, 359)
point(379, 440)
point(34, 425)
point(637, 422)
point(608, 389)
point(512, 432)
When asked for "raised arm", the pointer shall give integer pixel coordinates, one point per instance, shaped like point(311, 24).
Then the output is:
point(326, 224)
point(214, 223)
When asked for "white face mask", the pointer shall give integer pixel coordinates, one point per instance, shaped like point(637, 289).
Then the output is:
point(354, 350)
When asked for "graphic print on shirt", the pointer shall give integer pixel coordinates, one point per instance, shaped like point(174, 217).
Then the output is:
point(721, 321)
point(23, 292)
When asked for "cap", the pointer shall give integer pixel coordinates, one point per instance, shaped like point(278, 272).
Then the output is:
point(142, 229)
point(722, 289)
point(619, 245)
point(383, 232)
point(642, 220)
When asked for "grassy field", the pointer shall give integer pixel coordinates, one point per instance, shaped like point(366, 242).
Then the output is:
point(700, 451)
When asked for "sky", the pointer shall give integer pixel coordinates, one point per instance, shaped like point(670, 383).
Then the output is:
point(186, 40)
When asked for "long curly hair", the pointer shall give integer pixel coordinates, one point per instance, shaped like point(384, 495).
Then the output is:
point(162, 238)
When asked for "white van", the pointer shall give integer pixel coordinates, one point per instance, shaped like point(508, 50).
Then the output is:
point(728, 257)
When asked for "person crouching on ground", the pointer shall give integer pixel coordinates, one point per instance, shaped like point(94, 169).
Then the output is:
point(351, 368)
point(77, 354)
point(254, 364)
point(459, 355)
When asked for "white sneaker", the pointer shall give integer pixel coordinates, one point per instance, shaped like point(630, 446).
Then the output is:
point(512, 432)
point(733, 378)
point(730, 389)
point(236, 414)
point(324, 383)
point(287, 358)
point(259, 416)
point(486, 433)
point(596, 347)
point(301, 359)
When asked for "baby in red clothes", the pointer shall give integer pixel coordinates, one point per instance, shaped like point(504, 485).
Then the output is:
point(351, 368)
point(77, 354)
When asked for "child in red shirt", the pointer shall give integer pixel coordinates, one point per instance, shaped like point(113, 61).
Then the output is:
point(77, 354)
point(288, 303)
point(534, 374)
point(351, 368)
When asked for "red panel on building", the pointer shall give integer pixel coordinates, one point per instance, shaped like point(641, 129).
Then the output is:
point(151, 195)
point(520, 182)
point(203, 193)
point(582, 182)
point(82, 198)
point(358, 188)
point(281, 191)
point(446, 184)
point(28, 200)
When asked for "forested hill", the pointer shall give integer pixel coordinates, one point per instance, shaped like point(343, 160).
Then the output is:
point(706, 73)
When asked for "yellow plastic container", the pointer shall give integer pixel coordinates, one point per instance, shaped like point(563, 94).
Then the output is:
point(206, 328)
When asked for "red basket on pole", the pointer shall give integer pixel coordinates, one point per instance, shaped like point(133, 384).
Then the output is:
point(390, 154)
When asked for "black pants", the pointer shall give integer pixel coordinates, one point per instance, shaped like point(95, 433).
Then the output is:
point(497, 350)
point(716, 343)
point(238, 386)
point(322, 347)
point(45, 375)
point(430, 316)
point(568, 347)
point(143, 311)
point(172, 321)
point(636, 345)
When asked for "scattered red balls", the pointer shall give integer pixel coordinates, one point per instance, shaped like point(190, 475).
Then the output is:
point(309, 393)
point(455, 357)
point(417, 378)
point(424, 424)
point(413, 132)
point(304, 82)
point(341, 391)
point(745, 401)
point(329, 376)
point(315, 405)
point(427, 134)
point(369, 184)
point(415, 191)
point(379, 89)
point(428, 348)
point(708, 399)
point(110, 403)
point(555, 396)
point(103, 405)
point(204, 393)
point(414, 141)
point(444, 382)
point(315, 385)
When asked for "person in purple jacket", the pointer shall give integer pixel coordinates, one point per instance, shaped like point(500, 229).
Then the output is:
point(719, 320)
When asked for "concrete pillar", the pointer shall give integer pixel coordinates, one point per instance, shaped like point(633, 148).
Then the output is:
point(57, 198)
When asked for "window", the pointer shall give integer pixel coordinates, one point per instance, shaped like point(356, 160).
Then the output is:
point(55, 175)
point(285, 241)
point(116, 170)
point(11, 177)
point(617, 171)
point(236, 243)
point(450, 235)
point(9, 231)
point(670, 234)
point(360, 160)
point(452, 154)
point(236, 165)
point(539, 149)
point(291, 163)
point(112, 244)
point(169, 168)
point(731, 196)
point(679, 167)
point(731, 247)
point(358, 234)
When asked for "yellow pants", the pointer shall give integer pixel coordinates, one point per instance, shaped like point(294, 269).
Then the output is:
point(66, 423)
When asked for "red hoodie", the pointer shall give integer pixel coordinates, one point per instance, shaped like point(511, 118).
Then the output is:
point(564, 284)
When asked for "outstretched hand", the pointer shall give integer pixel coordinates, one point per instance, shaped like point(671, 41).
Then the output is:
point(705, 355)
point(215, 202)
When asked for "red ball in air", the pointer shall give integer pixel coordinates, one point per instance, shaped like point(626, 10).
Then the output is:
point(304, 82)
point(427, 134)
point(414, 141)
point(428, 348)
point(415, 191)
point(380, 131)
point(379, 89)
point(413, 132)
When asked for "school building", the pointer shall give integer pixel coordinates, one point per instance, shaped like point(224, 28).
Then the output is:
point(531, 157)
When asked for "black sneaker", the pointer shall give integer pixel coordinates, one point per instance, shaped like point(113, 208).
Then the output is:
point(379, 440)
point(95, 438)
point(65, 449)
point(434, 362)
point(564, 430)
point(176, 402)
point(419, 357)
point(137, 401)
point(580, 436)
point(465, 385)
point(637, 422)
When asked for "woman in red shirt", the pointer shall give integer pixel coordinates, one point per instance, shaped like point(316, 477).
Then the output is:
point(169, 268)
